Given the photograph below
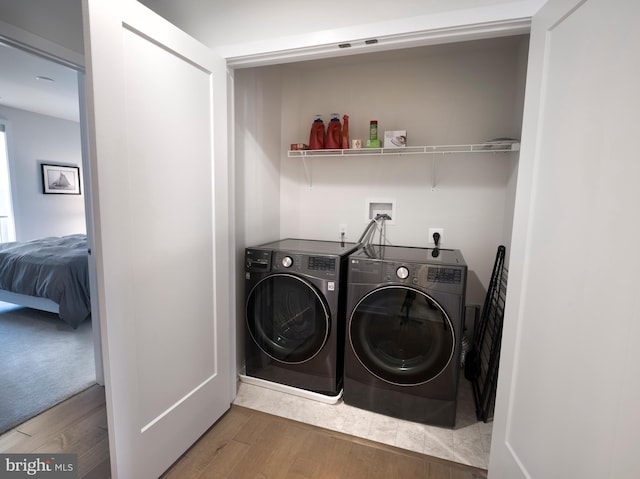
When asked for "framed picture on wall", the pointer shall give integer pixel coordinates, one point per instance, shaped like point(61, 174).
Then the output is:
point(60, 180)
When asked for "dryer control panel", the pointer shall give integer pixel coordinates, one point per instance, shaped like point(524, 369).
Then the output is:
point(442, 278)
point(438, 274)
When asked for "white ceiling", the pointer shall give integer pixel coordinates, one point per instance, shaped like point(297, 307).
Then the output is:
point(19, 87)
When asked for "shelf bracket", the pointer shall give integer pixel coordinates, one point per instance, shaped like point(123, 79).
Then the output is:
point(306, 171)
point(434, 168)
point(433, 171)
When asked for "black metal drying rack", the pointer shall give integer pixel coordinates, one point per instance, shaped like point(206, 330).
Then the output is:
point(481, 364)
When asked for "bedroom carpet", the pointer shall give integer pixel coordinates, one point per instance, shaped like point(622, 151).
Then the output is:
point(42, 362)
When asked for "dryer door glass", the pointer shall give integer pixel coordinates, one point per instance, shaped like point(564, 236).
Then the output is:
point(287, 318)
point(401, 335)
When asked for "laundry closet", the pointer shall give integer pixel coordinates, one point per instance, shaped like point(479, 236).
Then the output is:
point(462, 93)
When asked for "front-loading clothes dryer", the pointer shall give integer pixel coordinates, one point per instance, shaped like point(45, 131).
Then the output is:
point(295, 300)
point(404, 327)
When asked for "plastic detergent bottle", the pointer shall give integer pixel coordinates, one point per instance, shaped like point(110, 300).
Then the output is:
point(345, 132)
point(316, 138)
point(334, 133)
point(373, 141)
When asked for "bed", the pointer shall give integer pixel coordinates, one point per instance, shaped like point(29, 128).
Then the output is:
point(50, 274)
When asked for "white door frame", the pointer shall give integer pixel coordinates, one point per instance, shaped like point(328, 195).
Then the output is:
point(274, 52)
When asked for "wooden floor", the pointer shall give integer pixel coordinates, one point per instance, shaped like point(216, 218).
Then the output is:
point(77, 425)
point(243, 444)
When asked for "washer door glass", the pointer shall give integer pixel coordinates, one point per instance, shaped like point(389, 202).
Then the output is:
point(401, 335)
point(287, 318)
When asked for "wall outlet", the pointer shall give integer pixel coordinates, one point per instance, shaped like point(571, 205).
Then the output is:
point(436, 230)
point(343, 231)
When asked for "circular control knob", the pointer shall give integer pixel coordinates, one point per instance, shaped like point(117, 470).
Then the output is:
point(287, 261)
point(402, 272)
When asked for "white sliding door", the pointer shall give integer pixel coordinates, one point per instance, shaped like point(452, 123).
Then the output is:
point(157, 128)
point(568, 390)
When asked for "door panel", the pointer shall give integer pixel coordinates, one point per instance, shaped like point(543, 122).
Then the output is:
point(171, 227)
point(401, 335)
point(288, 318)
point(162, 278)
point(566, 406)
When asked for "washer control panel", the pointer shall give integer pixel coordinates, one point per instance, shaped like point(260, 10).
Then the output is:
point(322, 263)
point(315, 265)
point(257, 261)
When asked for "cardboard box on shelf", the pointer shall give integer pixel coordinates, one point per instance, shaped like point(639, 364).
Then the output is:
point(395, 139)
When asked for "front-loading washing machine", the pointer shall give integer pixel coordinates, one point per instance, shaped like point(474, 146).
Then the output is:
point(404, 327)
point(295, 324)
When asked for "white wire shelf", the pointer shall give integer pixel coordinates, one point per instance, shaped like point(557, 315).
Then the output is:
point(409, 150)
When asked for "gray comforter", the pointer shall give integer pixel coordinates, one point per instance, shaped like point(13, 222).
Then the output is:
point(55, 268)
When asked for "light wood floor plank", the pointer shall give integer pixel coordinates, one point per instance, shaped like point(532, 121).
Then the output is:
point(335, 459)
point(78, 437)
point(256, 428)
point(251, 464)
point(360, 462)
point(211, 446)
point(11, 440)
point(438, 470)
point(95, 460)
point(67, 411)
point(224, 461)
point(286, 447)
point(390, 465)
point(99, 471)
point(306, 465)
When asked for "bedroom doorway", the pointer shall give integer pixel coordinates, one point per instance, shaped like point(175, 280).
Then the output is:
point(19, 112)
point(7, 225)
